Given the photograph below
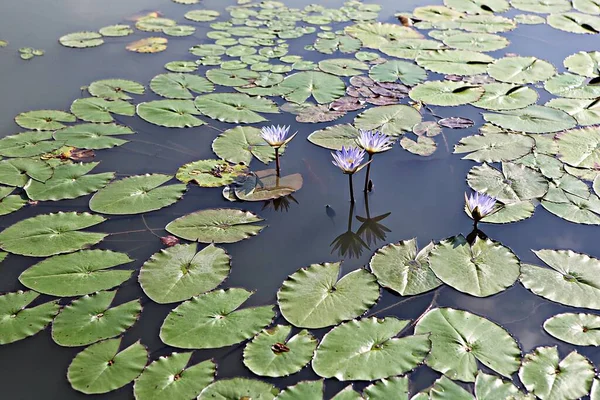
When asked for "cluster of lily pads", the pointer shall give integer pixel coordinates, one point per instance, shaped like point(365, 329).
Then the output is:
point(543, 156)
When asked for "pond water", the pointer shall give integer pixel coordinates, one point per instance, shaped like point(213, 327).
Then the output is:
point(424, 196)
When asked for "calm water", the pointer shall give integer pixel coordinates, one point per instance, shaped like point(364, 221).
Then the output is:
point(424, 195)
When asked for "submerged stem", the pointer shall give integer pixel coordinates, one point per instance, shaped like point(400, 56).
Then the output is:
point(368, 173)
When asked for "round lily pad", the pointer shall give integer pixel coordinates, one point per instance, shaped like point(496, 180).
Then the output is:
point(180, 272)
point(136, 195)
point(27, 144)
point(584, 63)
point(116, 30)
point(90, 319)
point(585, 111)
point(44, 120)
point(542, 6)
point(273, 353)
point(323, 87)
point(93, 136)
point(266, 185)
point(202, 15)
point(494, 147)
point(303, 390)
point(241, 144)
point(214, 320)
point(392, 71)
point(148, 45)
point(180, 86)
point(579, 147)
point(238, 77)
point(81, 40)
point(234, 107)
point(102, 368)
point(335, 136)
point(343, 66)
point(170, 113)
point(532, 119)
point(17, 321)
point(239, 388)
point(504, 96)
point(94, 109)
point(210, 173)
point(446, 93)
point(514, 183)
point(579, 329)
point(476, 42)
point(458, 62)
point(572, 86)
point(220, 225)
point(478, 6)
point(376, 34)
point(575, 22)
point(521, 70)
point(392, 120)
point(114, 89)
point(154, 23)
point(312, 297)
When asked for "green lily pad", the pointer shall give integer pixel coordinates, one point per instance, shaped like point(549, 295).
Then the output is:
point(393, 120)
point(548, 377)
point(409, 48)
point(392, 71)
point(27, 144)
point(179, 272)
point(220, 225)
point(446, 93)
point(170, 113)
point(457, 62)
point(115, 89)
point(579, 147)
point(202, 15)
point(341, 43)
point(376, 34)
point(576, 209)
point(18, 171)
point(49, 234)
point(312, 297)
point(116, 30)
point(436, 13)
point(481, 269)
point(348, 393)
point(335, 136)
point(272, 354)
point(18, 322)
point(521, 70)
point(179, 30)
point(486, 23)
point(239, 388)
point(504, 96)
point(94, 109)
point(342, 66)
point(587, 6)
point(44, 120)
point(494, 147)
point(210, 173)
point(542, 6)
point(303, 390)
point(459, 339)
point(532, 119)
point(235, 107)
point(585, 111)
point(575, 23)
point(241, 144)
point(213, 320)
point(514, 183)
point(491, 387)
point(445, 389)
point(136, 195)
point(368, 349)
point(424, 146)
point(510, 212)
point(234, 78)
point(572, 86)
point(478, 6)
point(77, 274)
point(584, 63)
point(68, 182)
point(572, 279)
point(394, 387)
point(401, 268)
point(171, 378)
point(90, 319)
point(476, 41)
point(529, 19)
point(102, 368)
point(266, 185)
point(10, 204)
point(154, 24)
point(181, 66)
point(81, 40)
point(324, 88)
point(180, 86)
point(93, 136)
point(579, 329)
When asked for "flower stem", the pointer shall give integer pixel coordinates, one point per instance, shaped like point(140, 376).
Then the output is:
point(351, 188)
point(368, 172)
point(277, 161)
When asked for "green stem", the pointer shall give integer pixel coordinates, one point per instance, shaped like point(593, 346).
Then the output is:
point(368, 173)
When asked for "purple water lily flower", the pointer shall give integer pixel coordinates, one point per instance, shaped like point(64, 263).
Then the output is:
point(479, 205)
point(348, 159)
point(276, 136)
point(374, 141)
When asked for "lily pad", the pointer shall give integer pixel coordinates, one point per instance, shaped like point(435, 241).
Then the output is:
point(180, 86)
point(368, 349)
point(481, 269)
point(272, 354)
point(154, 23)
point(94, 109)
point(494, 147)
point(27, 144)
point(579, 147)
point(401, 268)
point(476, 42)
point(572, 86)
point(323, 87)
point(210, 173)
point(303, 390)
point(491, 387)
point(532, 119)
point(44, 120)
point(584, 63)
point(234, 78)
point(446, 93)
point(90, 319)
point(514, 183)
point(410, 48)
point(579, 329)
point(102, 368)
point(116, 30)
point(392, 71)
point(335, 136)
point(213, 320)
point(585, 111)
point(136, 195)
point(392, 120)
point(18, 322)
point(572, 279)
point(459, 339)
point(114, 89)
point(458, 62)
point(49, 234)
point(266, 185)
point(148, 45)
point(179, 30)
point(424, 146)
point(18, 171)
point(376, 34)
point(202, 15)
point(81, 40)
point(548, 377)
point(587, 6)
point(511, 212)
point(68, 182)
point(234, 107)
point(446, 389)
point(486, 23)
point(220, 225)
point(478, 6)
point(504, 96)
point(343, 66)
point(179, 272)
point(93, 136)
point(171, 378)
point(341, 43)
point(10, 203)
point(239, 388)
point(312, 297)
point(575, 23)
point(170, 113)
point(542, 6)
point(521, 70)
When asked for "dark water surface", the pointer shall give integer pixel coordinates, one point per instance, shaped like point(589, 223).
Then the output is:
point(424, 195)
